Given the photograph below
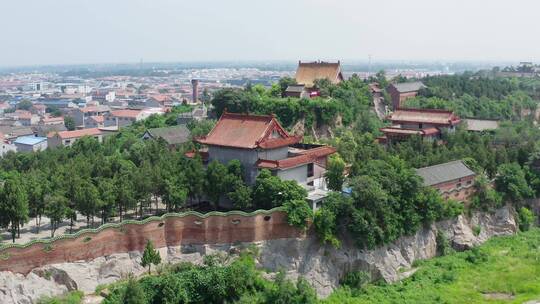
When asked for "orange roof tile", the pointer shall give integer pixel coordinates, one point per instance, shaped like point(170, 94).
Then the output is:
point(248, 132)
point(126, 113)
point(305, 157)
point(430, 116)
point(76, 133)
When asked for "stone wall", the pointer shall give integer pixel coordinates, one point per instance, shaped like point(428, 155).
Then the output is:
point(166, 231)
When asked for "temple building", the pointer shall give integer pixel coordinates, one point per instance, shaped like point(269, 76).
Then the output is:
point(454, 180)
point(400, 92)
point(308, 72)
point(260, 142)
point(427, 123)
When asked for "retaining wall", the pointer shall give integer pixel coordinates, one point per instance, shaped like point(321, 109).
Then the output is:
point(168, 230)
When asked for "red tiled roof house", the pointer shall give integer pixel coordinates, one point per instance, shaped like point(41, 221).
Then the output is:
point(427, 123)
point(260, 142)
point(67, 138)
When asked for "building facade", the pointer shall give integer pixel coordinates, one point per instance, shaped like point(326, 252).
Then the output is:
point(454, 180)
point(259, 142)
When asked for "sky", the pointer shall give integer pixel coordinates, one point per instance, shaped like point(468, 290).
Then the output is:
point(39, 32)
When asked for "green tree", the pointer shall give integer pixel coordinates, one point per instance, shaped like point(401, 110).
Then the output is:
point(56, 209)
point(526, 219)
point(24, 105)
point(298, 213)
point(14, 208)
point(216, 181)
point(107, 198)
point(69, 122)
point(87, 200)
point(284, 83)
point(175, 194)
point(133, 293)
point(325, 226)
point(241, 196)
point(511, 182)
point(270, 191)
point(150, 256)
point(36, 187)
point(335, 173)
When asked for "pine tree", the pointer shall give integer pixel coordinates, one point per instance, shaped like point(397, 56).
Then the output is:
point(150, 256)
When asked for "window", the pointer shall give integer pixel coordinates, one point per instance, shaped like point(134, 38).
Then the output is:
point(310, 170)
point(458, 185)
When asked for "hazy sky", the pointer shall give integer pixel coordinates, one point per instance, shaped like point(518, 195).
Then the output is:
point(107, 31)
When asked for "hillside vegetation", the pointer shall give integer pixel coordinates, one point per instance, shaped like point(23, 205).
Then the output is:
point(504, 270)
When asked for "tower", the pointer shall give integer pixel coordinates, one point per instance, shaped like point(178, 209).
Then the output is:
point(195, 85)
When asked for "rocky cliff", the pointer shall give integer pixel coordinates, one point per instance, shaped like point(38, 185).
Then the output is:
point(323, 266)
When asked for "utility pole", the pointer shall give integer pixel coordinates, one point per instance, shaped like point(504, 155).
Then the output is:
point(369, 65)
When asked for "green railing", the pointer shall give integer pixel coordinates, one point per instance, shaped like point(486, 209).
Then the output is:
point(141, 222)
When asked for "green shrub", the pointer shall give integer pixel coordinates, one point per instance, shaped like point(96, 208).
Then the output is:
point(356, 279)
point(476, 230)
point(298, 213)
point(526, 219)
point(443, 245)
point(476, 256)
point(325, 226)
point(74, 297)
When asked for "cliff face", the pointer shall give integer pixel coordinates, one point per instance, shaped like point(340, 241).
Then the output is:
point(323, 266)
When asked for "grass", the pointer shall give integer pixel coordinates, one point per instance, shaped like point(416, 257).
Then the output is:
point(74, 297)
point(503, 270)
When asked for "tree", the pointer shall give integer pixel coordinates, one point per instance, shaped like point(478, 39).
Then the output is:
point(526, 219)
point(216, 175)
point(298, 212)
point(133, 293)
point(195, 177)
point(511, 182)
point(56, 209)
point(24, 105)
point(14, 205)
point(69, 122)
point(241, 196)
point(270, 191)
point(107, 198)
point(87, 200)
point(325, 226)
point(150, 256)
point(175, 194)
point(334, 174)
point(284, 83)
point(36, 187)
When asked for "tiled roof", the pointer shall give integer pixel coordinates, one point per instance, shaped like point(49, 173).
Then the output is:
point(308, 72)
point(429, 116)
point(248, 132)
point(295, 88)
point(76, 133)
point(172, 135)
point(446, 172)
point(481, 124)
point(402, 131)
point(305, 157)
point(95, 109)
point(126, 113)
point(406, 87)
point(98, 118)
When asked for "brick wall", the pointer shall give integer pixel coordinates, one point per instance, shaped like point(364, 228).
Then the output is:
point(168, 231)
